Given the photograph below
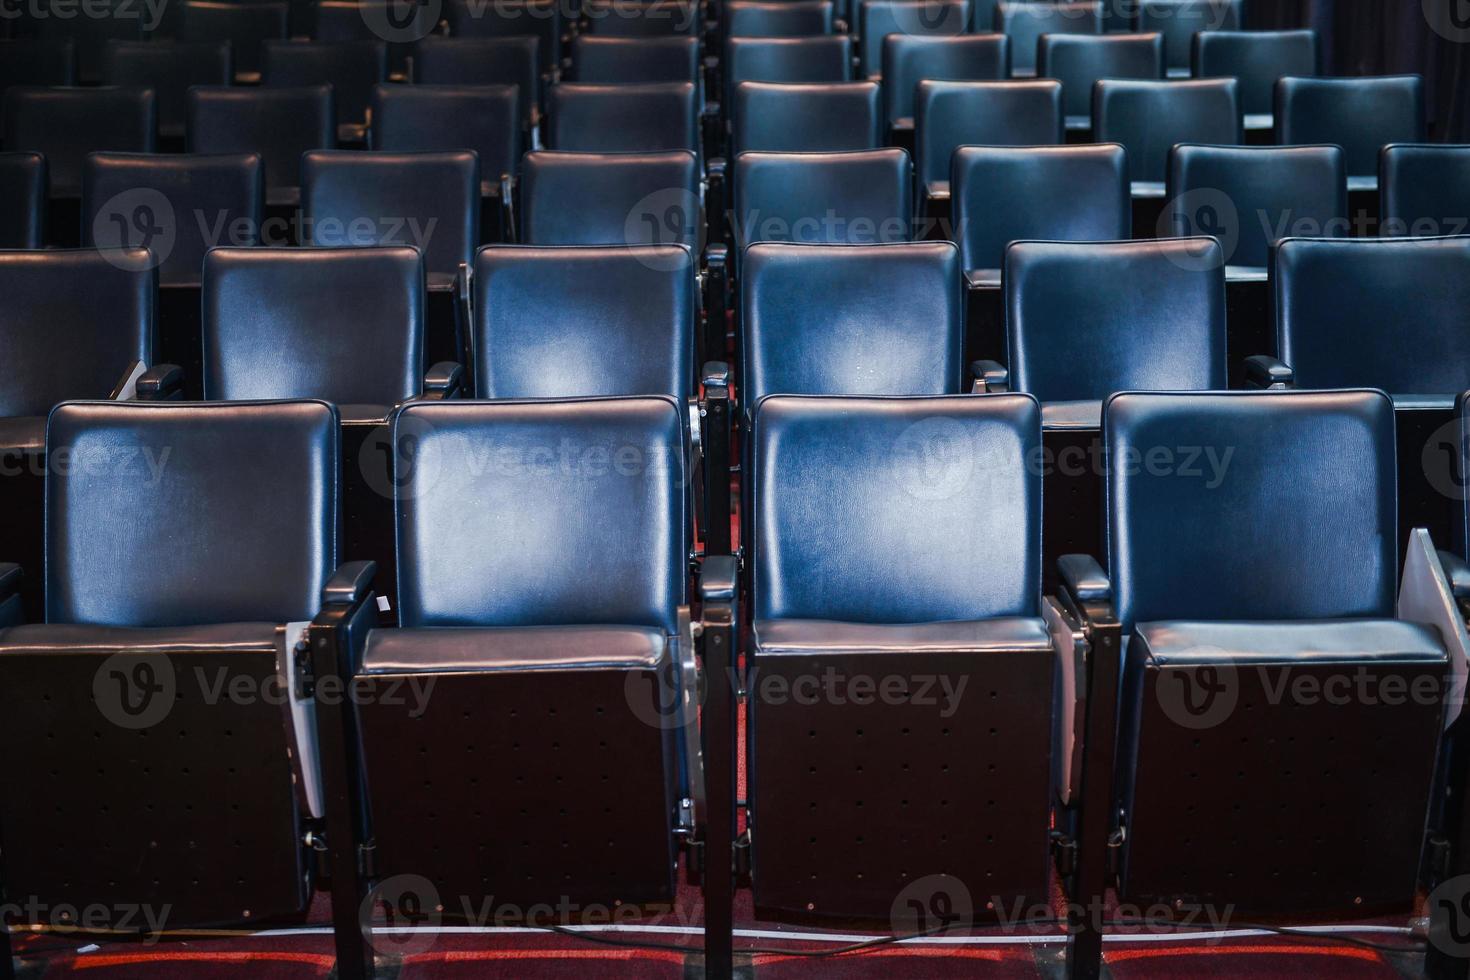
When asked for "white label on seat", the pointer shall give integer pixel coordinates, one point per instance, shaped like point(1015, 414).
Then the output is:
point(1425, 598)
point(303, 722)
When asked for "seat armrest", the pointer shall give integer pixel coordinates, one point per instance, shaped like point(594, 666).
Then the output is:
point(715, 374)
point(1263, 371)
point(1084, 578)
point(350, 584)
point(718, 575)
point(1457, 573)
point(443, 380)
point(161, 382)
point(989, 377)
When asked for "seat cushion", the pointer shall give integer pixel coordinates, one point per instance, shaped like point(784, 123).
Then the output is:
point(61, 637)
point(26, 432)
point(799, 637)
point(1182, 643)
point(518, 648)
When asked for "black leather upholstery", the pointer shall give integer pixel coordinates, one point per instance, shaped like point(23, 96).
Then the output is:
point(71, 324)
point(428, 200)
point(247, 26)
point(857, 198)
point(807, 117)
point(541, 19)
point(610, 198)
point(1180, 20)
point(1025, 22)
point(245, 496)
point(910, 58)
point(952, 114)
point(1381, 313)
point(482, 61)
point(520, 648)
point(1256, 59)
point(30, 61)
point(352, 68)
point(1003, 194)
point(851, 320)
point(1362, 115)
point(839, 481)
point(580, 321)
point(1173, 643)
point(630, 60)
point(201, 201)
point(344, 325)
point(1154, 317)
point(786, 59)
point(878, 19)
point(1079, 60)
point(624, 118)
point(279, 124)
point(22, 200)
point(169, 68)
point(1150, 117)
point(1425, 189)
point(798, 18)
point(1273, 192)
point(364, 20)
point(65, 124)
point(1309, 478)
point(483, 118)
point(808, 637)
point(600, 479)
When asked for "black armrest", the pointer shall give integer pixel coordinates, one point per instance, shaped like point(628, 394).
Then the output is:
point(161, 382)
point(715, 374)
point(507, 210)
point(443, 380)
point(989, 377)
point(1084, 578)
point(11, 576)
point(1457, 571)
point(350, 584)
point(1263, 371)
point(717, 577)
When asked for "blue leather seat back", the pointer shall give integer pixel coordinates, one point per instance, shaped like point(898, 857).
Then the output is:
point(247, 26)
point(482, 61)
point(1079, 60)
point(483, 118)
point(630, 60)
point(1384, 313)
point(953, 114)
point(857, 198)
point(630, 18)
point(342, 324)
point(72, 323)
point(186, 203)
point(427, 200)
point(1425, 189)
point(872, 510)
point(851, 320)
point(540, 19)
point(910, 58)
point(1004, 194)
point(352, 68)
point(1084, 320)
point(365, 20)
point(561, 322)
point(1273, 192)
point(1150, 117)
point(182, 514)
point(65, 124)
point(279, 124)
point(1361, 115)
point(1251, 505)
point(786, 59)
point(1180, 20)
point(22, 200)
point(169, 68)
point(794, 18)
point(564, 513)
point(879, 19)
point(624, 118)
point(1256, 59)
point(1024, 22)
point(610, 198)
point(807, 117)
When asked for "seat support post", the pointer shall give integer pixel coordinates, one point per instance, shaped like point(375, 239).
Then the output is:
point(718, 718)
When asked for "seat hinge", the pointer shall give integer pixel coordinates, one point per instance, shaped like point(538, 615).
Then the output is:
point(1065, 848)
point(367, 859)
point(304, 679)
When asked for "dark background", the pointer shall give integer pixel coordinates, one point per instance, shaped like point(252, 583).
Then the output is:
point(1387, 37)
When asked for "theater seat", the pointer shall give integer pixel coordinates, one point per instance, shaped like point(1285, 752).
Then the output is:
point(623, 118)
point(137, 654)
point(656, 18)
point(1080, 60)
point(632, 60)
point(90, 30)
point(22, 200)
point(1150, 117)
point(1256, 59)
point(1181, 20)
point(1025, 23)
point(169, 68)
point(484, 61)
point(483, 118)
point(798, 18)
point(806, 117)
point(610, 198)
point(1362, 115)
point(247, 26)
point(1233, 721)
point(352, 68)
point(373, 20)
point(858, 198)
point(785, 59)
point(878, 19)
point(910, 58)
point(1426, 189)
point(953, 114)
point(540, 19)
point(279, 124)
point(65, 124)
